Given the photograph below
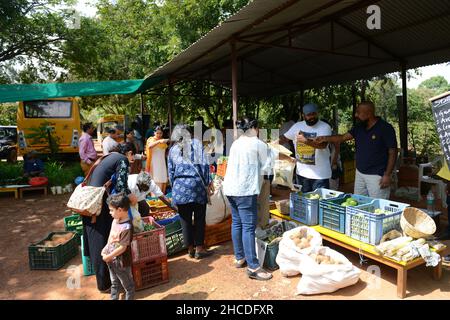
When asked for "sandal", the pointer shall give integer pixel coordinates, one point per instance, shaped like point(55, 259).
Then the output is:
point(240, 263)
point(259, 274)
point(191, 253)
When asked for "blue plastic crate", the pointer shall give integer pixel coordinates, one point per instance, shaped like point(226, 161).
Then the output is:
point(332, 213)
point(364, 225)
point(306, 210)
point(88, 267)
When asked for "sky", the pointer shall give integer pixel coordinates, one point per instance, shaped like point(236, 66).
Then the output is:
point(86, 8)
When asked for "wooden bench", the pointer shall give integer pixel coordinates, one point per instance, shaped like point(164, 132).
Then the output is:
point(14, 188)
point(21, 190)
point(368, 251)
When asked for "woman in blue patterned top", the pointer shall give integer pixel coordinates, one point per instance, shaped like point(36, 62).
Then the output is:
point(188, 170)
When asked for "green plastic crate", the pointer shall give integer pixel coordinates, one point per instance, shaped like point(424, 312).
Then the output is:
point(75, 224)
point(174, 242)
point(52, 258)
point(88, 267)
point(173, 227)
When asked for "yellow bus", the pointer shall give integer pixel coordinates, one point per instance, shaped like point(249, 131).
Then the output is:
point(116, 121)
point(60, 117)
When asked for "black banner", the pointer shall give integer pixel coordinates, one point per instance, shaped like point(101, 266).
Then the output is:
point(441, 112)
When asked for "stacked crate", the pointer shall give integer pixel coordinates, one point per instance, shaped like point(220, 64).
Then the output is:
point(149, 256)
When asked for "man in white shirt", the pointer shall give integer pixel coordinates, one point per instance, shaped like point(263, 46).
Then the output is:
point(313, 159)
point(109, 144)
point(142, 185)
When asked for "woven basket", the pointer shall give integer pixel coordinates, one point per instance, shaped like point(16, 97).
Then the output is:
point(416, 223)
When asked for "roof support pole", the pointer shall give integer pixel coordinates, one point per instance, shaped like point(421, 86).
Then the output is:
point(404, 113)
point(142, 118)
point(234, 79)
point(302, 103)
point(170, 105)
point(353, 103)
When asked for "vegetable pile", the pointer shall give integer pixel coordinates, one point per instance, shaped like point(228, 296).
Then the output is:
point(350, 202)
point(324, 259)
point(301, 239)
point(56, 240)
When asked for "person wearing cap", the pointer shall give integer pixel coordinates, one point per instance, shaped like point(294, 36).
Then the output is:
point(109, 144)
point(376, 151)
point(142, 185)
point(313, 158)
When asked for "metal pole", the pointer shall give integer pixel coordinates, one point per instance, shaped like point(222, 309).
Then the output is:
point(404, 114)
point(170, 105)
point(142, 118)
point(234, 85)
point(353, 103)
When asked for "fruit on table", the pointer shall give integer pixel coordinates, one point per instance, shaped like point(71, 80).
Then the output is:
point(313, 196)
point(380, 211)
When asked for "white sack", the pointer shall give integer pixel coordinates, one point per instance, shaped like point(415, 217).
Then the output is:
point(290, 256)
point(325, 278)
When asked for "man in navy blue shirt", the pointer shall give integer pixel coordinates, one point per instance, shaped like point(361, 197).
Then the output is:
point(376, 151)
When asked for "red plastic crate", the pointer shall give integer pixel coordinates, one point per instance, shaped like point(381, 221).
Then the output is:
point(150, 273)
point(149, 245)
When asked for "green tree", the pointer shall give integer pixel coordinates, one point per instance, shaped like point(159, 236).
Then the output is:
point(437, 83)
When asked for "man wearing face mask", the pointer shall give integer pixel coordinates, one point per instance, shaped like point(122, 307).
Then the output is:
point(376, 151)
point(313, 158)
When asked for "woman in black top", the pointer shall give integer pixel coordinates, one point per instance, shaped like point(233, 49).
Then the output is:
point(96, 234)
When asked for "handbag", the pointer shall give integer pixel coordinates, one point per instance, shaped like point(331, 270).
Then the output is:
point(87, 200)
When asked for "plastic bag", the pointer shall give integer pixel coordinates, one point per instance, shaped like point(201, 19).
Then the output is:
point(323, 278)
point(284, 173)
point(138, 224)
point(219, 209)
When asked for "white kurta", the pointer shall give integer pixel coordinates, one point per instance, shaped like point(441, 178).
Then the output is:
point(159, 167)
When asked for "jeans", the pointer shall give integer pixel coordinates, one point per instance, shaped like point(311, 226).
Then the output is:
point(121, 277)
point(369, 185)
point(193, 234)
point(244, 217)
point(309, 185)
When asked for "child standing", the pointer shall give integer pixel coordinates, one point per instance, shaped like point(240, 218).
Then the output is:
point(117, 252)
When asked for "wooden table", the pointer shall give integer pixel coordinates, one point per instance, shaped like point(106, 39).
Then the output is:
point(21, 190)
point(368, 251)
point(13, 188)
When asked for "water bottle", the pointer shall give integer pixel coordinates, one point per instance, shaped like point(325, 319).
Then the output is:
point(430, 201)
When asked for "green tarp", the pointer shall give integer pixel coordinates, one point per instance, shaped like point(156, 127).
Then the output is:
point(28, 92)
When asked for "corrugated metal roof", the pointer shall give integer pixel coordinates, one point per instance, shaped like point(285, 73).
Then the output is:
point(333, 44)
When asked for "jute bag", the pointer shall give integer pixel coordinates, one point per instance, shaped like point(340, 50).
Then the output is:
point(87, 200)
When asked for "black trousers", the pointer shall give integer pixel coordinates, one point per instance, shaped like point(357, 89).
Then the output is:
point(96, 235)
point(193, 234)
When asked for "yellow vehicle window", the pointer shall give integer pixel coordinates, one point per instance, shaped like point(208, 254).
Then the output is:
point(48, 109)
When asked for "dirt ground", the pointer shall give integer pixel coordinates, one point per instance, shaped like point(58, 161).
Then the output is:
point(32, 218)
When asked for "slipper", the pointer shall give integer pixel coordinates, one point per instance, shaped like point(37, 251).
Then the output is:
point(259, 274)
point(242, 264)
point(191, 253)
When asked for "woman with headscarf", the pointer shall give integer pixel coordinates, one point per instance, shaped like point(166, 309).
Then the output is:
point(249, 160)
point(156, 158)
point(191, 182)
point(96, 233)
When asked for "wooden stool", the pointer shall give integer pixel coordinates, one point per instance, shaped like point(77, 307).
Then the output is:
point(21, 190)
